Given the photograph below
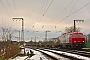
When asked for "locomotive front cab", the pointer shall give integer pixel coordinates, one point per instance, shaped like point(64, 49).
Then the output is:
point(77, 39)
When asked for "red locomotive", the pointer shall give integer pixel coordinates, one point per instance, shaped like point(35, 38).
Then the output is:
point(74, 40)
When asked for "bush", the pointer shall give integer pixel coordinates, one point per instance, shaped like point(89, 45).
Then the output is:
point(2, 58)
point(10, 51)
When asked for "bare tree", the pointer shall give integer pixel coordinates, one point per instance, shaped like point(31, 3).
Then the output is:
point(6, 33)
point(71, 29)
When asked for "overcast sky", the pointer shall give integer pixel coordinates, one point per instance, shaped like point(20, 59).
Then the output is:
point(42, 15)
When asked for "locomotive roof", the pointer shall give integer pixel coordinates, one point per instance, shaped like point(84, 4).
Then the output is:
point(76, 32)
point(69, 33)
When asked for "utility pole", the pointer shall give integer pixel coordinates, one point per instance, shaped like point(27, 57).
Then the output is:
point(22, 33)
point(46, 34)
point(19, 34)
point(75, 24)
point(35, 38)
point(35, 41)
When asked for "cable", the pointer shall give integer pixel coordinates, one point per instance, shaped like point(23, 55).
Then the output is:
point(40, 12)
point(4, 7)
point(75, 12)
point(73, 6)
point(10, 7)
point(72, 13)
point(76, 19)
point(15, 7)
point(79, 17)
point(45, 9)
point(72, 10)
point(45, 12)
point(79, 9)
point(41, 9)
point(48, 8)
point(62, 10)
point(46, 4)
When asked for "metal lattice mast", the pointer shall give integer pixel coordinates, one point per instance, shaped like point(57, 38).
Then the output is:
point(22, 35)
point(22, 32)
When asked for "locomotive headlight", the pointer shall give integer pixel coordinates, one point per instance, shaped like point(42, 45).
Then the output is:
point(83, 41)
point(74, 41)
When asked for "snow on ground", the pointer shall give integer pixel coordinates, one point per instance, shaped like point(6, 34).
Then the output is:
point(19, 58)
point(73, 55)
point(37, 56)
point(55, 55)
point(40, 56)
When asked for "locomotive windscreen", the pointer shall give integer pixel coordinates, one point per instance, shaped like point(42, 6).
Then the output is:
point(80, 35)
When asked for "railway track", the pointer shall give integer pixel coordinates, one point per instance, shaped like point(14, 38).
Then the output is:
point(57, 56)
point(78, 52)
point(83, 53)
point(50, 55)
point(70, 54)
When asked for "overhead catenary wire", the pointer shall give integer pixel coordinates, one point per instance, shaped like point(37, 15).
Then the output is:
point(45, 12)
point(40, 11)
point(46, 5)
point(62, 10)
point(10, 8)
point(37, 18)
point(15, 7)
point(4, 8)
point(79, 23)
point(72, 13)
point(73, 6)
point(79, 17)
point(77, 10)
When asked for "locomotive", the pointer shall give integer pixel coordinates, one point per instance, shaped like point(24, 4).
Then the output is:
point(73, 40)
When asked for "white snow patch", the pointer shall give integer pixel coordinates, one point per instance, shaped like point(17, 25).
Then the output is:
point(38, 56)
point(73, 55)
point(19, 58)
point(54, 55)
